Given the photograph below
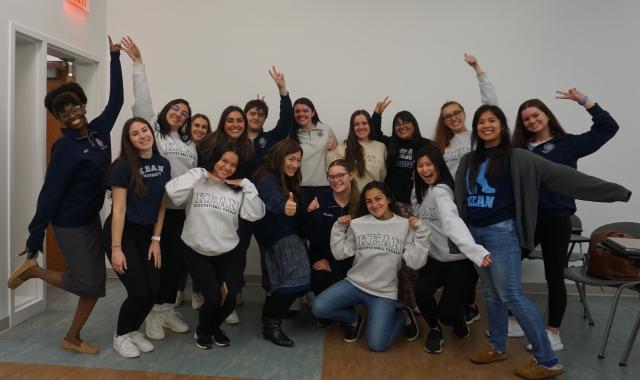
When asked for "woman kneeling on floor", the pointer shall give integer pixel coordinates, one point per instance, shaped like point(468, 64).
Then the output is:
point(378, 241)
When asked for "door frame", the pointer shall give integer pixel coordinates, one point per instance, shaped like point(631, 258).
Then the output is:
point(88, 69)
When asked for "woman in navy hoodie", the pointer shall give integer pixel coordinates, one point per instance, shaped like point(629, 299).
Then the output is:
point(538, 130)
point(71, 198)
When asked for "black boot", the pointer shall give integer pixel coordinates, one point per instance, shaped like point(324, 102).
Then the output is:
point(271, 331)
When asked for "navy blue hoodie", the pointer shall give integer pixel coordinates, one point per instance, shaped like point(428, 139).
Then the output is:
point(566, 150)
point(73, 192)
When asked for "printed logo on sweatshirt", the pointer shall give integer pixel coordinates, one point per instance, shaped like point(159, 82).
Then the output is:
point(262, 142)
point(405, 158)
point(454, 155)
point(548, 147)
point(217, 202)
point(480, 198)
point(373, 158)
point(151, 171)
point(380, 243)
point(430, 215)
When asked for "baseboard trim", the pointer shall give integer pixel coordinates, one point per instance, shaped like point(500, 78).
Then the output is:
point(5, 323)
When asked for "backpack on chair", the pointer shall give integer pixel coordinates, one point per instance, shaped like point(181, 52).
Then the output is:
point(603, 263)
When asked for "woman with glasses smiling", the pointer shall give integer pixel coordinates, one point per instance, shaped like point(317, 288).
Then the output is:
point(171, 128)
point(454, 141)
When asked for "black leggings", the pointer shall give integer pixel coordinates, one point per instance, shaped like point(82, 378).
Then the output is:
point(553, 235)
point(210, 272)
point(454, 277)
point(173, 251)
point(141, 278)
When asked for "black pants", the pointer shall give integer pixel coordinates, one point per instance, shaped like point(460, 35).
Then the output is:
point(276, 305)
point(210, 272)
point(454, 277)
point(141, 279)
point(553, 235)
point(173, 251)
point(182, 282)
point(245, 231)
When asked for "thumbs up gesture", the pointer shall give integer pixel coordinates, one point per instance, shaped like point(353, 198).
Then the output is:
point(314, 205)
point(290, 206)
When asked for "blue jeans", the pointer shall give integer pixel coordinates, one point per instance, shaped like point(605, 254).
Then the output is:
point(503, 291)
point(384, 321)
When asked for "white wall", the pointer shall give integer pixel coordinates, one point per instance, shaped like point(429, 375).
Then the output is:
point(346, 55)
point(54, 20)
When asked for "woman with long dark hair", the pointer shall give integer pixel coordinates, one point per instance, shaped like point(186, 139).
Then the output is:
point(497, 195)
point(538, 130)
point(285, 262)
point(71, 198)
point(132, 230)
point(366, 155)
point(170, 128)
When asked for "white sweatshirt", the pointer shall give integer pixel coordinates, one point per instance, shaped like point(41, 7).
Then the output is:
point(182, 156)
point(314, 154)
point(379, 247)
point(212, 210)
point(439, 213)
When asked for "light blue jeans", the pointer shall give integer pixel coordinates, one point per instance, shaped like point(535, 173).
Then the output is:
point(384, 320)
point(503, 290)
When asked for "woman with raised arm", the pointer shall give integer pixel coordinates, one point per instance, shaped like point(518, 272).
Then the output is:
point(285, 262)
point(378, 242)
point(71, 198)
point(497, 196)
point(215, 200)
point(454, 141)
point(132, 230)
point(170, 128)
point(538, 130)
point(366, 155)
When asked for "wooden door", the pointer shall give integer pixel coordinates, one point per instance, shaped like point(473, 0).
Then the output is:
point(53, 257)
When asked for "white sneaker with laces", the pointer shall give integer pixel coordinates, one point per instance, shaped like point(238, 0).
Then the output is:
point(179, 298)
point(515, 331)
point(196, 301)
point(153, 327)
point(140, 341)
point(554, 340)
point(171, 319)
point(232, 319)
point(124, 346)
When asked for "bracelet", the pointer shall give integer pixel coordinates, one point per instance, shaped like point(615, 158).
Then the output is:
point(583, 100)
point(156, 238)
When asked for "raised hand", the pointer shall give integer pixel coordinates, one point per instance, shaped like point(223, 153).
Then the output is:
point(131, 49)
point(344, 220)
point(278, 77)
point(314, 205)
point(113, 47)
point(576, 96)
point(260, 97)
point(414, 222)
point(472, 61)
point(234, 182)
point(381, 105)
point(290, 206)
point(331, 144)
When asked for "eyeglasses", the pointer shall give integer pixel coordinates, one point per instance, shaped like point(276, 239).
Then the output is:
point(452, 115)
point(404, 123)
point(177, 110)
point(76, 110)
point(337, 177)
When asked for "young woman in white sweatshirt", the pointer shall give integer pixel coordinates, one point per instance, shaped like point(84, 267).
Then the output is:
point(214, 201)
point(448, 266)
point(379, 241)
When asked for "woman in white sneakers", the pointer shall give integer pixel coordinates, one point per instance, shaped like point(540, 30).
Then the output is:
point(132, 231)
point(174, 143)
point(214, 201)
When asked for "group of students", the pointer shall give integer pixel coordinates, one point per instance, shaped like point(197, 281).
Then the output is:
point(380, 221)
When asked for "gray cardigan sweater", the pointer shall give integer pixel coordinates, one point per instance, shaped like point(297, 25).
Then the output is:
point(529, 172)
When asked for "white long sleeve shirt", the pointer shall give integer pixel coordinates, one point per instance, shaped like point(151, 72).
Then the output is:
point(439, 213)
point(378, 248)
point(213, 210)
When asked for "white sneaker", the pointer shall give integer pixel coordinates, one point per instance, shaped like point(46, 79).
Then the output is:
point(239, 298)
point(296, 305)
point(124, 346)
point(171, 319)
point(232, 319)
point(196, 301)
point(515, 331)
point(140, 341)
point(153, 327)
point(179, 298)
point(554, 339)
